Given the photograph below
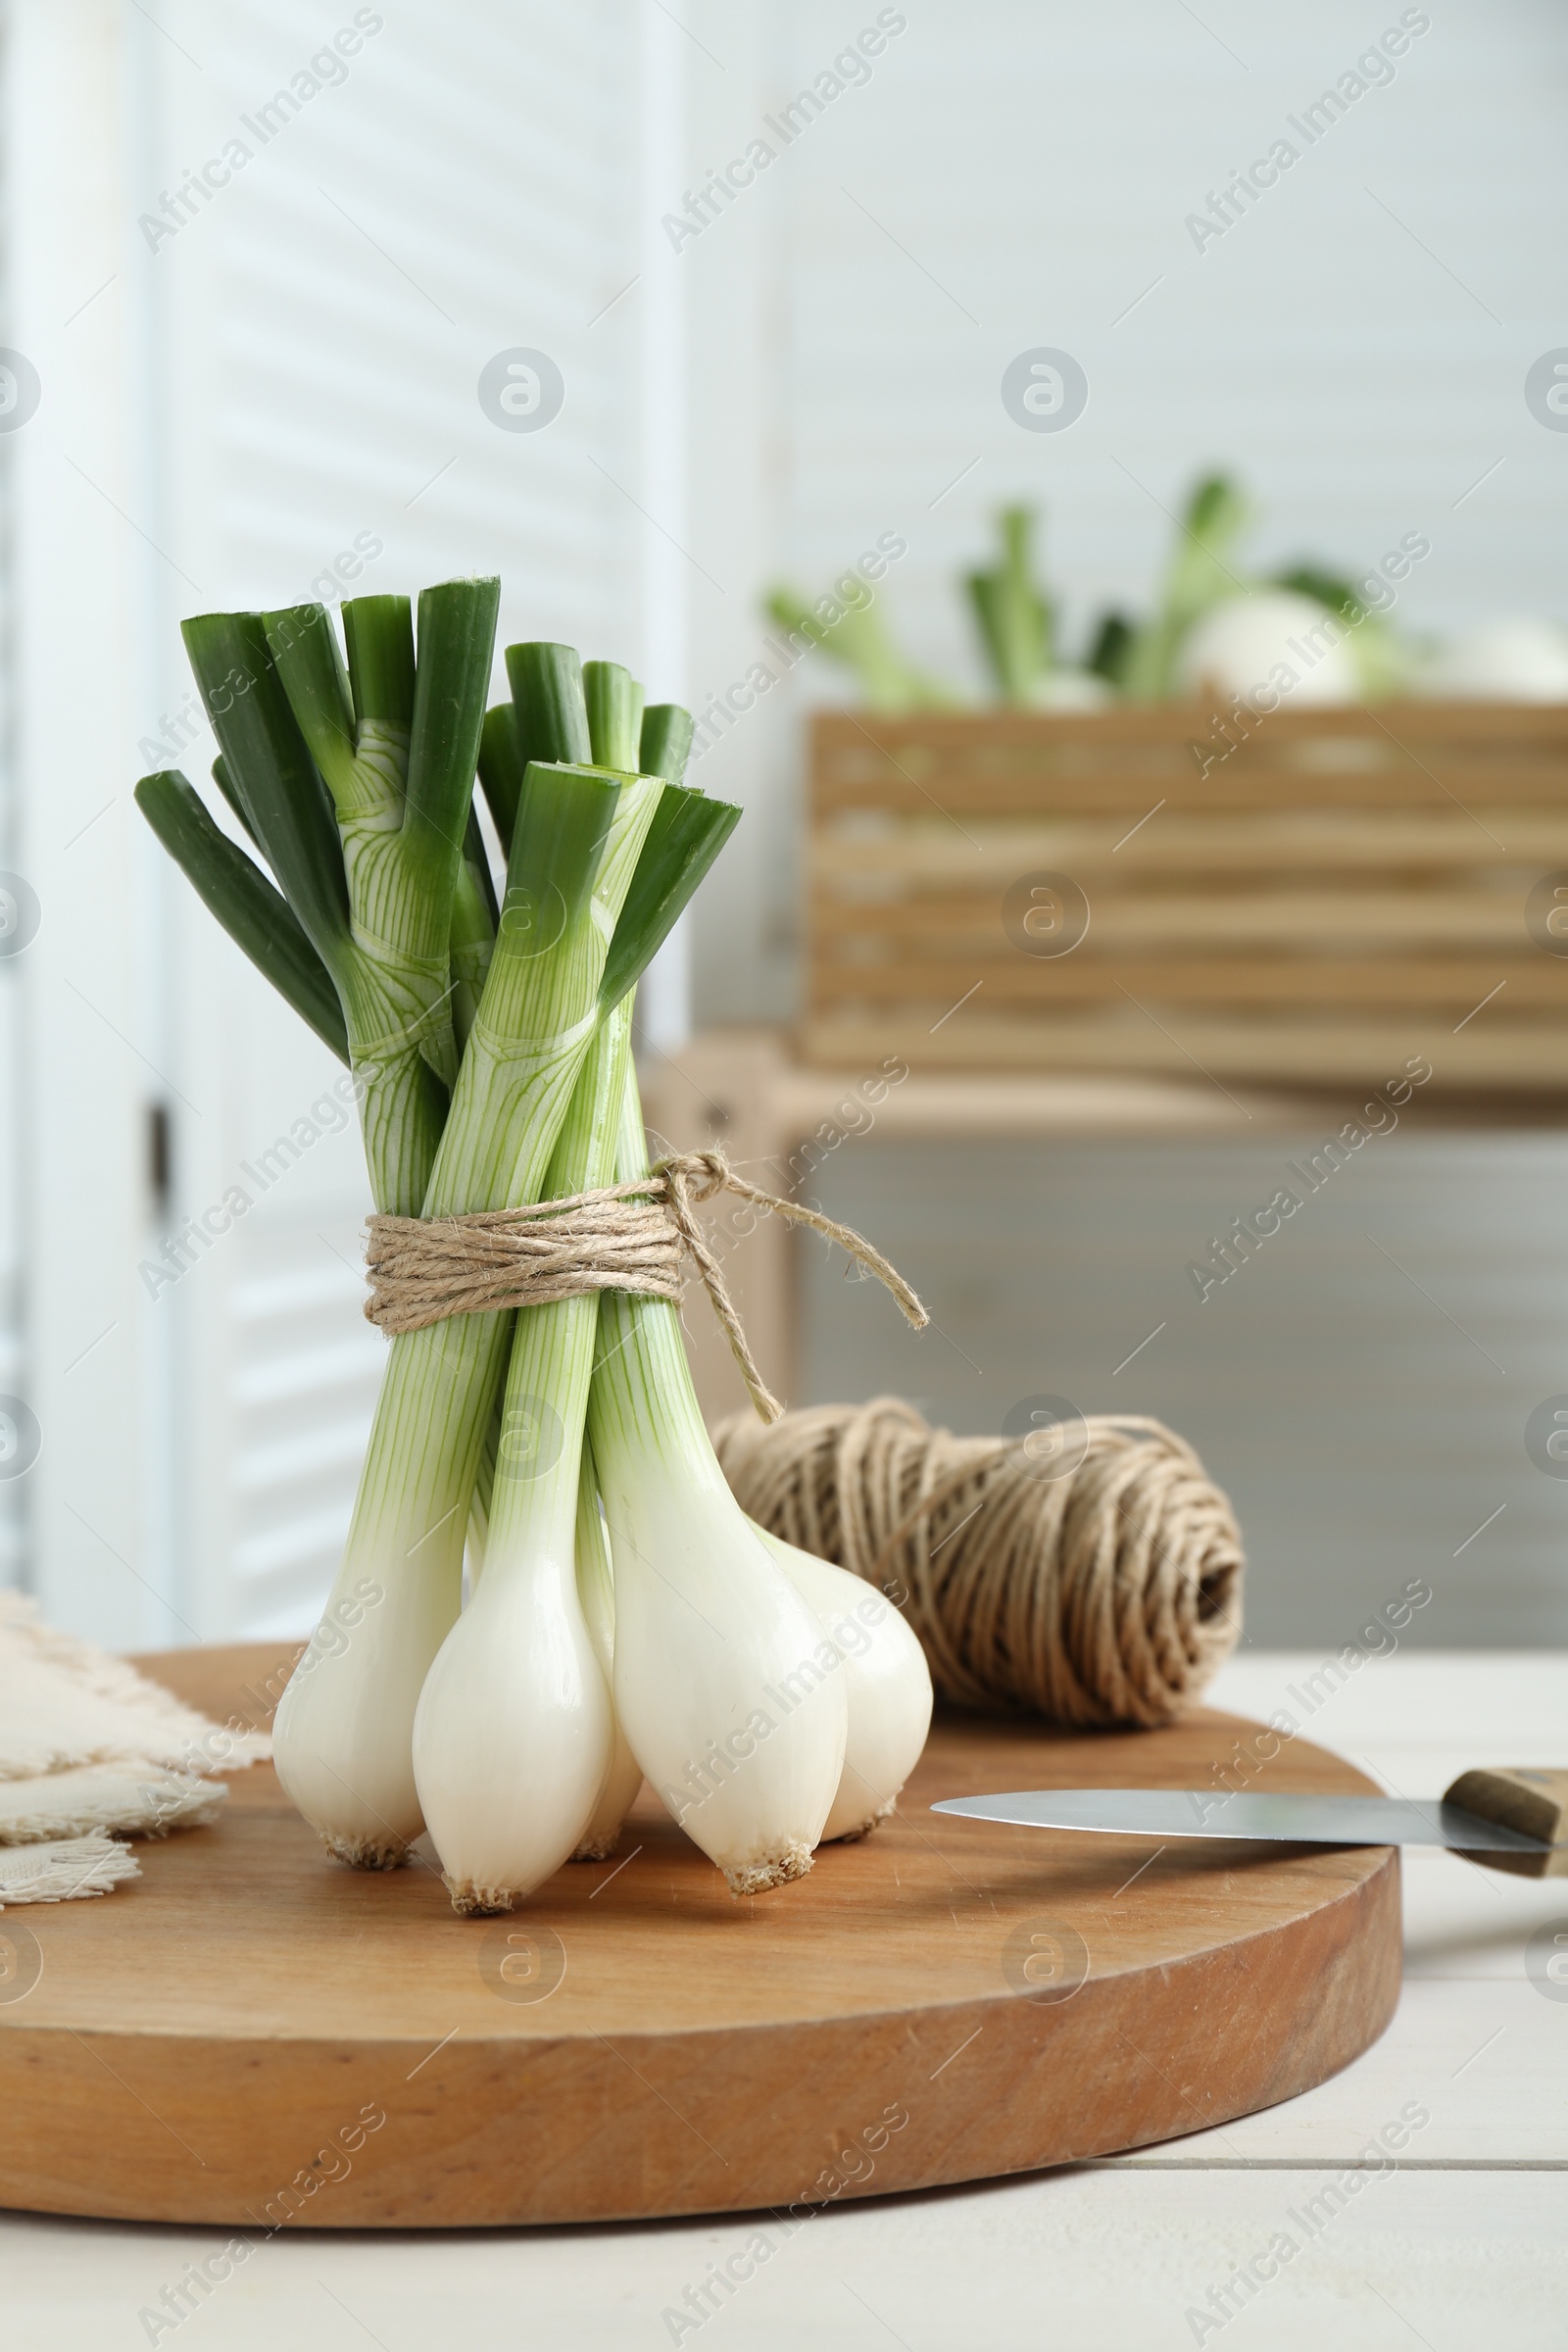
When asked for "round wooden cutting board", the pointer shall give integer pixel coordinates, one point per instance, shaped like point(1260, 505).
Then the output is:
point(249, 2033)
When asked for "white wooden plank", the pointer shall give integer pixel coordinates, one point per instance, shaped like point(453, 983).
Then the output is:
point(1474, 1706)
point(1463, 1922)
point(1107, 2260)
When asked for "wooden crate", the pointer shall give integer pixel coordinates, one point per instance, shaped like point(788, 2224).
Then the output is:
point(1341, 891)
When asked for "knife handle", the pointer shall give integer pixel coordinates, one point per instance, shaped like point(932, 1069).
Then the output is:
point(1523, 1799)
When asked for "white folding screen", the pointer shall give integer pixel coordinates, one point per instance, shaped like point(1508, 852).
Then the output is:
point(300, 240)
point(15, 926)
point(76, 607)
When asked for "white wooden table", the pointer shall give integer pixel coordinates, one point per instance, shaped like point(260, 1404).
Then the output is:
point(1461, 2243)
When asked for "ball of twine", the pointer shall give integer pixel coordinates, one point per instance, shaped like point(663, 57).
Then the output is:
point(1107, 1595)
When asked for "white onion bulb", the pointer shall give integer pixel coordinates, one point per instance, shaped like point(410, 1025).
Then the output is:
point(1506, 661)
point(341, 1736)
point(1273, 639)
point(512, 1739)
point(725, 1685)
point(887, 1687)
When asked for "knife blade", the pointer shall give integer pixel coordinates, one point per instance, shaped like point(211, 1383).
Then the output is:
point(1513, 1818)
point(1284, 1820)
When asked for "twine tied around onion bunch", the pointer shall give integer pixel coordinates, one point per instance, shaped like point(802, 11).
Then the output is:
point(622, 1237)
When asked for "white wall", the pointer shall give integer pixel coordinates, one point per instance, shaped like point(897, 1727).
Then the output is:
point(1028, 166)
point(1362, 1389)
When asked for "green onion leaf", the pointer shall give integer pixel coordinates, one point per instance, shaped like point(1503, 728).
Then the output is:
point(303, 644)
point(1015, 617)
point(476, 857)
point(547, 694)
point(614, 703)
point(233, 887)
point(378, 631)
point(457, 645)
point(231, 794)
point(271, 764)
point(686, 835)
point(555, 849)
point(667, 742)
point(502, 769)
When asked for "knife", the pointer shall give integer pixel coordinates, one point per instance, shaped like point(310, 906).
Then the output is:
point(1513, 1819)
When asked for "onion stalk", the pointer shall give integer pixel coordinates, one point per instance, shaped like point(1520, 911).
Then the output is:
point(343, 1739)
point(513, 1735)
point(623, 1776)
point(720, 1687)
point(724, 1681)
point(1012, 613)
point(513, 1738)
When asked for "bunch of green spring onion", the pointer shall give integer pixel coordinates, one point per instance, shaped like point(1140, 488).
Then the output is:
point(624, 1618)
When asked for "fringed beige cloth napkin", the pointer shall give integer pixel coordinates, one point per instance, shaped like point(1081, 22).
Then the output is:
point(90, 1750)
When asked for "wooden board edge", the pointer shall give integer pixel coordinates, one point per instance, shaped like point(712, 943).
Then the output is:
point(439, 2169)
